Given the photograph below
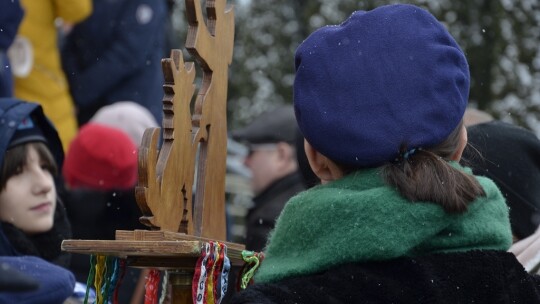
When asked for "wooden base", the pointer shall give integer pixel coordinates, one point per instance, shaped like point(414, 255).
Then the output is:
point(164, 250)
point(153, 249)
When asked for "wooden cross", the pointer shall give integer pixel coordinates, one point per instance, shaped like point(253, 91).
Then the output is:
point(194, 143)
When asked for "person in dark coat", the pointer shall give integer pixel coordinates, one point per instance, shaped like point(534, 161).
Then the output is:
point(275, 176)
point(380, 101)
point(115, 55)
point(33, 221)
point(510, 156)
point(10, 19)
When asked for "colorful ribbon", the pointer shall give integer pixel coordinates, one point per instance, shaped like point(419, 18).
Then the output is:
point(151, 287)
point(211, 274)
point(106, 274)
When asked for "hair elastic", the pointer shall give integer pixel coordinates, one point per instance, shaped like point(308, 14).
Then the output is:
point(407, 154)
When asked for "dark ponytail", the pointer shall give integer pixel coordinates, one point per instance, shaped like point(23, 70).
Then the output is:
point(426, 175)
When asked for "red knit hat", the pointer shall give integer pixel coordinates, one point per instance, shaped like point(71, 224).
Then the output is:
point(101, 158)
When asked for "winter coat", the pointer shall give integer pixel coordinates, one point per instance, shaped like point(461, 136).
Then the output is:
point(468, 277)
point(46, 83)
point(357, 240)
point(10, 18)
point(115, 55)
point(261, 218)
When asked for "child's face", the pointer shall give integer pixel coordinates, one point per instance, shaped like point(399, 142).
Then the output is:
point(29, 199)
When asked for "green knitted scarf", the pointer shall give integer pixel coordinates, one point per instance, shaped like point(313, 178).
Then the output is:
point(358, 218)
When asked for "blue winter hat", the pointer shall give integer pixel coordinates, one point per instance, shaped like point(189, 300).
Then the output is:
point(382, 79)
point(27, 131)
point(21, 122)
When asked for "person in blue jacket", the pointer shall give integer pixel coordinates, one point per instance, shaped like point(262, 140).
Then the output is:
point(33, 222)
point(11, 15)
point(115, 55)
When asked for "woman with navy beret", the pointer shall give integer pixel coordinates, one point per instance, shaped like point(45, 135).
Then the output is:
point(380, 100)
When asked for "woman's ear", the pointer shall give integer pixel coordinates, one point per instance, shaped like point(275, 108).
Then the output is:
point(462, 144)
point(325, 169)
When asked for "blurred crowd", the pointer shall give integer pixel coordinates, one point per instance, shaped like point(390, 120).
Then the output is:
point(94, 68)
point(81, 81)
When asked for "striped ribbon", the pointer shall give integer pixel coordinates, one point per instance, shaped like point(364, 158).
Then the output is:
point(211, 274)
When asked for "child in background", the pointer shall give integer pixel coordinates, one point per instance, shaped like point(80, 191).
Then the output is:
point(32, 219)
point(380, 100)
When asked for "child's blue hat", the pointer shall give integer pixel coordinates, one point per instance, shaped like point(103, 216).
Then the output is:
point(383, 79)
point(22, 122)
point(27, 131)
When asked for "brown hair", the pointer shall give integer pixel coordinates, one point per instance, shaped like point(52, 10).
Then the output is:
point(426, 175)
point(15, 159)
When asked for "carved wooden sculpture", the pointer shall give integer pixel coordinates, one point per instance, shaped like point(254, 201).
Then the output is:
point(184, 134)
point(193, 144)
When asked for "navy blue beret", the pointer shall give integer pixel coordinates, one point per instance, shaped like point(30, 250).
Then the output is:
point(384, 78)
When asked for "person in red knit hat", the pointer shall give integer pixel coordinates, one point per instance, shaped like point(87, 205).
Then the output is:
point(100, 173)
point(101, 158)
